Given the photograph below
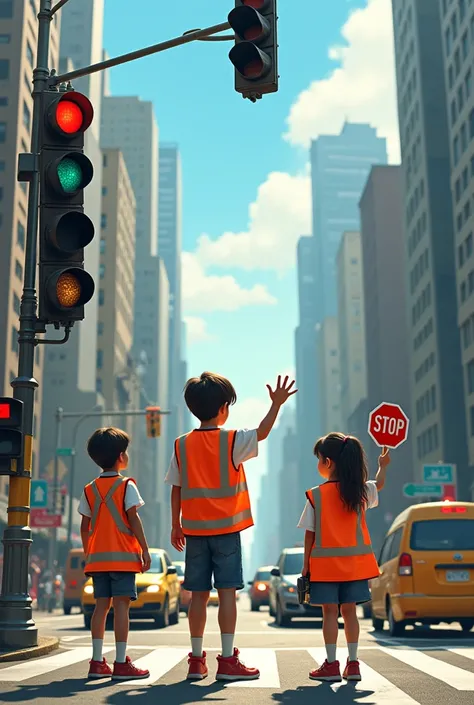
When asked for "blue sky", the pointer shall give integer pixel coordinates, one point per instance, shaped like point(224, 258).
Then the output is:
point(235, 154)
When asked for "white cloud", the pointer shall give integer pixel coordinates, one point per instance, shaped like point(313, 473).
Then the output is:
point(196, 330)
point(361, 89)
point(280, 214)
point(204, 292)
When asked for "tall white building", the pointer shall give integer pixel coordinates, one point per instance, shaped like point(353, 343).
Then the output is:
point(351, 321)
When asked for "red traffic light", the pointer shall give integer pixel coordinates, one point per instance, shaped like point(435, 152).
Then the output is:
point(256, 4)
point(70, 114)
point(249, 25)
point(4, 411)
point(250, 61)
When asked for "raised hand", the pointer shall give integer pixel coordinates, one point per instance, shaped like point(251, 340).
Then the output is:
point(384, 458)
point(282, 392)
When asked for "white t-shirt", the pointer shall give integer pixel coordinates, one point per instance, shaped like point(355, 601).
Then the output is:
point(245, 448)
point(132, 497)
point(308, 518)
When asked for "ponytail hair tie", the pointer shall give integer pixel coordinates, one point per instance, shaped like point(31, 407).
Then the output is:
point(344, 440)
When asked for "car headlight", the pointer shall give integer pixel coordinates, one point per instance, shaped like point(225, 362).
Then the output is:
point(288, 588)
point(89, 589)
point(153, 588)
point(261, 587)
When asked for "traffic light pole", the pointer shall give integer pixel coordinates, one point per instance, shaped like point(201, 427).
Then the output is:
point(17, 627)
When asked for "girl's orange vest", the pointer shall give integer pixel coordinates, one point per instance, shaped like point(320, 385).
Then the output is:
point(214, 494)
point(112, 545)
point(342, 550)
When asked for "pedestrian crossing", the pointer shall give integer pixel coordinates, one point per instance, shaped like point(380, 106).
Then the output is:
point(381, 666)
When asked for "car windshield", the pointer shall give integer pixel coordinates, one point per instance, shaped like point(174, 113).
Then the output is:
point(263, 575)
point(179, 570)
point(293, 563)
point(443, 535)
point(156, 563)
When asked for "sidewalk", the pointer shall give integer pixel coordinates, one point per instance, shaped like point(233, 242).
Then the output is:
point(46, 644)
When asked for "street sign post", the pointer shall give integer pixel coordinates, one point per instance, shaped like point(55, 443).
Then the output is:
point(442, 474)
point(39, 494)
point(388, 425)
point(64, 452)
point(40, 519)
point(411, 489)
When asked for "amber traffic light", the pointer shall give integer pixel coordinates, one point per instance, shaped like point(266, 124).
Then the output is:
point(153, 421)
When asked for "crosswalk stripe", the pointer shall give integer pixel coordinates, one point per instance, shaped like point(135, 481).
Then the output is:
point(386, 692)
point(34, 668)
point(158, 662)
point(467, 653)
point(266, 662)
point(456, 677)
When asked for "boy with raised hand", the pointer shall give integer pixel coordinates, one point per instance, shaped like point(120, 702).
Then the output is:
point(210, 506)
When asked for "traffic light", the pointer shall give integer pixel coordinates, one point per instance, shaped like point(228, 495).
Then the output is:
point(449, 493)
point(254, 54)
point(11, 433)
point(153, 421)
point(65, 230)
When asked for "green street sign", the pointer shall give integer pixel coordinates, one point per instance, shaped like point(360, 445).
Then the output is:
point(65, 452)
point(439, 474)
point(413, 490)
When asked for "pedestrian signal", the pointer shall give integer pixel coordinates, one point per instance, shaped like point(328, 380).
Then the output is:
point(65, 230)
point(11, 433)
point(153, 421)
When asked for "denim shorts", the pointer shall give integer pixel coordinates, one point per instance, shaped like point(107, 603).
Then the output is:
point(340, 593)
point(213, 557)
point(119, 584)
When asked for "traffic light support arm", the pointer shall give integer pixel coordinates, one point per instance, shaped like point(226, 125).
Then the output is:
point(186, 38)
point(58, 6)
point(52, 341)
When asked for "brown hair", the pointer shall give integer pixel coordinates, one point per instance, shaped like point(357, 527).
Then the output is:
point(206, 394)
point(106, 445)
point(351, 472)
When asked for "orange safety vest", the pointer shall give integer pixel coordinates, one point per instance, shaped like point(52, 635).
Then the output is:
point(214, 493)
point(342, 550)
point(112, 545)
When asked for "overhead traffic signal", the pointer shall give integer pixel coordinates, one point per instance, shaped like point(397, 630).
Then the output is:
point(11, 433)
point(65, 230)
point(153, 421)
point(255, 53)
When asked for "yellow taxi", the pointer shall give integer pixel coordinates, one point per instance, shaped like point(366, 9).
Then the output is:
point(426, 568)
point(158, 593)
point(214, 598)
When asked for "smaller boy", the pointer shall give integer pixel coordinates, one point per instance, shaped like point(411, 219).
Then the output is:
point(210, 506)
point(115, 547)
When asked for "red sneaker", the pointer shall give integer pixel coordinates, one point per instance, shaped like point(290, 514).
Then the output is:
point(352, 671)
point(128, 671)
point(99, 669)
point(197, 670)
point(327, 672)
point(232, 669)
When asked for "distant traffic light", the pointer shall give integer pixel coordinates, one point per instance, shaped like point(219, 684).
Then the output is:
point(11, 432)
point(255, 54)
point(65, 230)
point(153, 421)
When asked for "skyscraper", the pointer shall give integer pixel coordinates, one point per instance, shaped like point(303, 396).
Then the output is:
point(351, 324)
point(438, 426)
point(328, 365)
point(458, 32)
point(17, 61)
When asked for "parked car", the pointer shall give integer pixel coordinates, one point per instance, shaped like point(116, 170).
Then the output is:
point(158, 593)
point(426, 568)
point(185, 595)
point(260, 588)
point(74, 580)
point(283, 596)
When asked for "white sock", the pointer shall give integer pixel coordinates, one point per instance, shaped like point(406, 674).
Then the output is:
point(331, 652)
point(196, 646)
point(227, 645)
point(97, 645)
point(120, 651)
point(353, 651)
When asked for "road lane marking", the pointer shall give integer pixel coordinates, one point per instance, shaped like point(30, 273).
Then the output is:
point(266, 661)
point(456, 677)
point(158, 662)
point(467, 653)
point(39, 667)
point(71, 638)
point(385, 692)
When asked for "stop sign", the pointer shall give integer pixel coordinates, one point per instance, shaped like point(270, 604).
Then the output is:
point(388, 425)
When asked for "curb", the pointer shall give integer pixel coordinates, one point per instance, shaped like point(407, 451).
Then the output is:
point(46, 644)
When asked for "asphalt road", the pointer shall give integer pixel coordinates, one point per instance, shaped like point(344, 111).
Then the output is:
point(428, 667)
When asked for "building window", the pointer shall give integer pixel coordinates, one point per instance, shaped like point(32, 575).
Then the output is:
point(29, 55)
point(468, 84)
point(26, 116)
point(471, 413)
point(2, 165)
point(20, 235)
point(101, 271)
point(471, 124)
point(104, 190)
point(4, 69)
point(104, 160)
point(103, 220)
point(16, 304)
point(100, 359)
point(102, 245)
point(18, 270)
point(3, 101)
point(470, 376)
point(98, 385)
point(5, 38)
point(14, 343)
point(6, 9)
point(100, 328)
point(3, 131)
point(101, 297)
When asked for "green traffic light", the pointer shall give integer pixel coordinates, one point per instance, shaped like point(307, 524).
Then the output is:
point(69, 175)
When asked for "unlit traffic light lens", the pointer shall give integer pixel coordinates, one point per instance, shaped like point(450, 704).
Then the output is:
point(256, 4)
point(69, 117)
point(68, 290)
point(69, 175)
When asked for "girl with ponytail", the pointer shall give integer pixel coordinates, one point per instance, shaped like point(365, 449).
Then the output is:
point(338, 556)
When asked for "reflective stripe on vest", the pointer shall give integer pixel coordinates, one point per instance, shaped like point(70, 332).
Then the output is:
point(111, 506)
point(115, 556)
point(360, 549)
point(224, 523)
